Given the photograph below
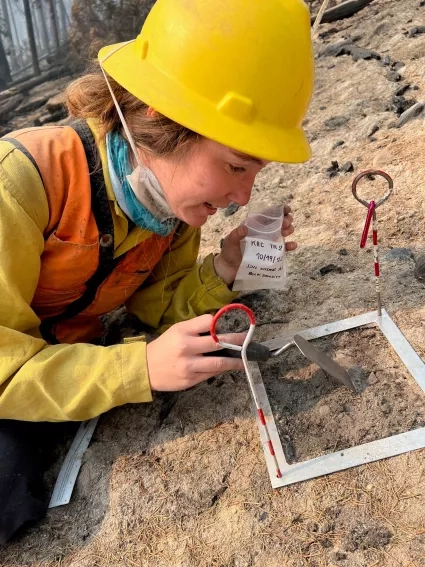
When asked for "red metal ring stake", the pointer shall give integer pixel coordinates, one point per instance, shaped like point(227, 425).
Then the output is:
point(371, 215)
point(260, 413)
point(368, 172)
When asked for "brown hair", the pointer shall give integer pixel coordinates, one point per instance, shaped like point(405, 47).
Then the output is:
point(89, 97)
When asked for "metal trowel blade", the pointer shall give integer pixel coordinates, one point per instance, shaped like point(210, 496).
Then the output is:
point(324, 361)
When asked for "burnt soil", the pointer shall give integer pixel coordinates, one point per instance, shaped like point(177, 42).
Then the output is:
point(315, 414)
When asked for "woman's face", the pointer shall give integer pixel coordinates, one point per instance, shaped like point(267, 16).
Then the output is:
point(208, 177)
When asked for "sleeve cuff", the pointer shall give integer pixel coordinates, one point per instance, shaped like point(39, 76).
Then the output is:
point(213, 283)
point(135, 375)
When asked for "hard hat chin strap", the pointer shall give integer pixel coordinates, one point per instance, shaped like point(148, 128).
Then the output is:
point(117, 106)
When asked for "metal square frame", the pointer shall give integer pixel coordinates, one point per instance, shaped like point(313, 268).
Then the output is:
point(357, 455)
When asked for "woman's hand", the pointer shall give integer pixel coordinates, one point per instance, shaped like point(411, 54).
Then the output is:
point(227, 263)
point(175, 360)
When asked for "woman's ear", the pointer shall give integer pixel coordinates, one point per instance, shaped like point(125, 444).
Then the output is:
point(151, 112)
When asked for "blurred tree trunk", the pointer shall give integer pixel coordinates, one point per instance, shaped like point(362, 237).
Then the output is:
point(31, 38)
point(5, 77)
point(38, 43)
point(17, 42)
point(54, 24)
point(8, 36)
point(63, 19)
point(42, 26)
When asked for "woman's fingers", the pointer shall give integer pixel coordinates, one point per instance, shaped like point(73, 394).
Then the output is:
point(213, 365)
point(287, 221)
point(199, 345)
point(175, 360)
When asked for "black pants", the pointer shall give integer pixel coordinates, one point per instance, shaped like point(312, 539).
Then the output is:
point(26, 452)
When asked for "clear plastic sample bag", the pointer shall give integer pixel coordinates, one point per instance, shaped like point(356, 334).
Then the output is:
point(263, 263)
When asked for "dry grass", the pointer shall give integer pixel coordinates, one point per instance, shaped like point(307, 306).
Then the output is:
point(155, 523)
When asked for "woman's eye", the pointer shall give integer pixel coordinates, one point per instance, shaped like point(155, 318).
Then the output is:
point(236, 169)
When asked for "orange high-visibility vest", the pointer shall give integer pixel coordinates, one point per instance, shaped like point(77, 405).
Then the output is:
point(79, 278)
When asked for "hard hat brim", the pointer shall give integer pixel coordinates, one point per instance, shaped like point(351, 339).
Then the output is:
point(161, 92)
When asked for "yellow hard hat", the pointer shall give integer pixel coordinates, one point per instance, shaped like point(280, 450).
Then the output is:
point(239, 72)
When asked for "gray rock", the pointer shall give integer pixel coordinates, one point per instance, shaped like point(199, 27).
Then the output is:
point(402, 89)
point(416, 30)
point(400, 104)
point(347, 167)
point(231, 209)
point(333, 169)
point(396, 65)
point(358, 53)
point(393, 76)
point(338, 144)
point(330, 268)
point(336, 122)
point(402, 254)
point(409, 114)
point(348, 47)
point(335, 49)
point(374, 128)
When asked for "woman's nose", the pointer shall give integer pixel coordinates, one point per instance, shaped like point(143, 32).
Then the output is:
point(241, 195)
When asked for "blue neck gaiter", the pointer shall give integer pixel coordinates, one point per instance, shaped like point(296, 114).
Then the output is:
point(119, 167)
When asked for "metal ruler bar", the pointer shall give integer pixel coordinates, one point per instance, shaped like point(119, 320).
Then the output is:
point(262, 397)
point(403, 348)
point(324, 330)
point(71, 466)
point(353, 457)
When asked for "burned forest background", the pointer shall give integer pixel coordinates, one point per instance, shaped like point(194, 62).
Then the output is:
point(38, 35)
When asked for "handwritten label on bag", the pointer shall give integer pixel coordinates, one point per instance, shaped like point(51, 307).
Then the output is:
point(262, 259)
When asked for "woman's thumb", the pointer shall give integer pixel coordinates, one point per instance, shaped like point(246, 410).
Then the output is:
point(237, 234)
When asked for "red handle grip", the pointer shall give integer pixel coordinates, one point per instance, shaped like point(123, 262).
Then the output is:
point(370, 211)
point(224, 310)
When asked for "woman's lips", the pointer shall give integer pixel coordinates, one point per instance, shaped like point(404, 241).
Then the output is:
point(211, 210)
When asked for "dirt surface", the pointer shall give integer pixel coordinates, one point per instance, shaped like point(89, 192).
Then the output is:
point(182, 481)
point(315, 414)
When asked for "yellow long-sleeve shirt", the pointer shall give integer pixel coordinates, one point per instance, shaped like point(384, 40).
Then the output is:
point(40, 382)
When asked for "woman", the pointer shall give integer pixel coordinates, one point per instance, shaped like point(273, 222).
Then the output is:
point(107, 211)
